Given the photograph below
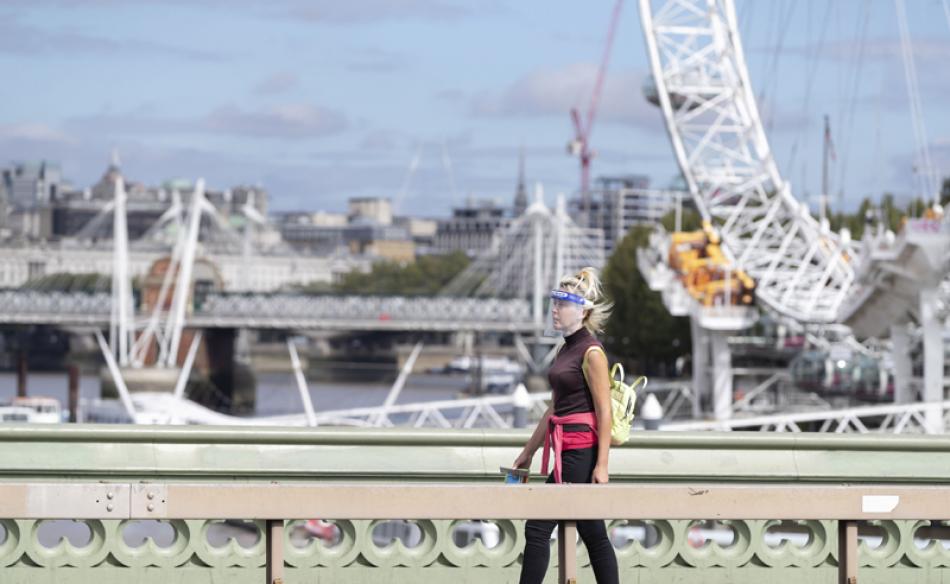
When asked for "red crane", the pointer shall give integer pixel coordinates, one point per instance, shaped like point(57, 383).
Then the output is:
point(580, 145)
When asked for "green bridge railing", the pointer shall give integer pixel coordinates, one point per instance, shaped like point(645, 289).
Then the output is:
point(86, 469)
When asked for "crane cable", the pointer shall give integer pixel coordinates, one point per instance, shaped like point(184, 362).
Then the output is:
point(770, 87)
point(849, 116)
point(602, 72)
point(925, 174)
point(811, 69)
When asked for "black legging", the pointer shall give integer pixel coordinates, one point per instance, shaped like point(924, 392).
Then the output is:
point(577, 467)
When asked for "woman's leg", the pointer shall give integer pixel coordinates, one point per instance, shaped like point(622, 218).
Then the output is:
point(603, 558)
point(537, 547)
point(578, 468)
point(537, 550)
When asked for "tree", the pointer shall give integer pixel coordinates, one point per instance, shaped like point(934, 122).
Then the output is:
point(426, 276)
point(66, 282)
point(641, 333)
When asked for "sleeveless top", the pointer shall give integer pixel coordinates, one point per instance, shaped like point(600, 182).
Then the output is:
point(566, 376)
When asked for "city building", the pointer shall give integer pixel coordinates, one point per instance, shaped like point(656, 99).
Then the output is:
point(471, 228)
point(37, 204)
point(312, 233)
point(369, 229)
point(324, 219)
point(21, 262)
point(620, 202)
point(373, 210)
point(421, 231)
point(387, 242)
point(27, 184)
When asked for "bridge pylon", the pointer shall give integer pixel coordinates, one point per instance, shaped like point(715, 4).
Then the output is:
point(525, 260)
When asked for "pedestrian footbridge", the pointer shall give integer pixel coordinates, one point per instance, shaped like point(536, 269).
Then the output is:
point(286, 311)
point(681, 507)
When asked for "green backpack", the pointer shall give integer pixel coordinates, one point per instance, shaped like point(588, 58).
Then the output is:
point(623, 398)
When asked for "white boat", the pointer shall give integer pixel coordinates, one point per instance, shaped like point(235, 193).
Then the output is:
point(33, 410)
point(467, 364)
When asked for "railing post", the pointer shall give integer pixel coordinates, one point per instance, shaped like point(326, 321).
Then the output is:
point(567, 552)
point(21, 373)
point(274, 541)
point(73, 392)
point(848, 552)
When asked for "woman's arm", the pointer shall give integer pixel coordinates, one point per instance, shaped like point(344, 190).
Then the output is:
point(599, 383)
point(534, 442)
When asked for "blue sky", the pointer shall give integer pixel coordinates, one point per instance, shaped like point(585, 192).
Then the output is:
point(321, 100)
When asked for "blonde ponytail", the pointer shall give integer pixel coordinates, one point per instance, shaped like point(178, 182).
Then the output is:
point(587, 283)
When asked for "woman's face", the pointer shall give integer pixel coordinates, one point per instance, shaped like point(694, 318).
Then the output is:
point(566, 315)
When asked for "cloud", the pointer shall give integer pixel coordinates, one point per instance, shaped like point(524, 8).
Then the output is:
point(280, 82)
point(35, 132)
point(373, 60)
point(877, 49)
point(17, 39)
point(900, 171)
point(782, 119)
point(924, 49)
point(381, 140)
point(450, 95)
point(555, 91)
point(289, 121)
point(315, 11)
point(364, 11)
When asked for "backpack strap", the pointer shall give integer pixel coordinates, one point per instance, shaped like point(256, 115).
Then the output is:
point(585, 362)
point(613, 371)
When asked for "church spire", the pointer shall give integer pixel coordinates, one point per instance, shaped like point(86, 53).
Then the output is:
point(114, 163)
point(521, 194)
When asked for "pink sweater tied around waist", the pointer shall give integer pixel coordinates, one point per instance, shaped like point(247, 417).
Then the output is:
point(554, 439)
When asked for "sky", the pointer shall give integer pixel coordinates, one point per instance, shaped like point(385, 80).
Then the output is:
point(321, 100)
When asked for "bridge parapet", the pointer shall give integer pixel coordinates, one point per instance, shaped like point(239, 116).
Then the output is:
point(663, 485)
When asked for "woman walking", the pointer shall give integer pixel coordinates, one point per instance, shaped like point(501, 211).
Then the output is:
point(576, 425)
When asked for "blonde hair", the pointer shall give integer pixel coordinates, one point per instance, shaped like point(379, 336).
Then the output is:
point(586, 283)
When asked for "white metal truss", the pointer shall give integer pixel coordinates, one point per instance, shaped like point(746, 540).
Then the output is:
point(527, 257)
point(494, 411)
point(479, 412)
point(886, 419)
point(801, 270)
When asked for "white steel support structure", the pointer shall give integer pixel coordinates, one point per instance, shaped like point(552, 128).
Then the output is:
point(700, 338)
point(722, 375)
point(153, 327)
point(884, 419)
point(932, 332)
point(121, 327)
point(900, 351)
point(183, 284)
point(712, 370)
point(704, 92)
point(524, 258)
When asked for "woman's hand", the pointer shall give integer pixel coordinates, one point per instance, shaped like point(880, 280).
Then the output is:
point(523, 460)
point(599, 475)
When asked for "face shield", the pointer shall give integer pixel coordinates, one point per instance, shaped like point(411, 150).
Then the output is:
point(567, 309)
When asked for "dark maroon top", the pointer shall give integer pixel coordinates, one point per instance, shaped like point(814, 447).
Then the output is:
point(566, 376)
